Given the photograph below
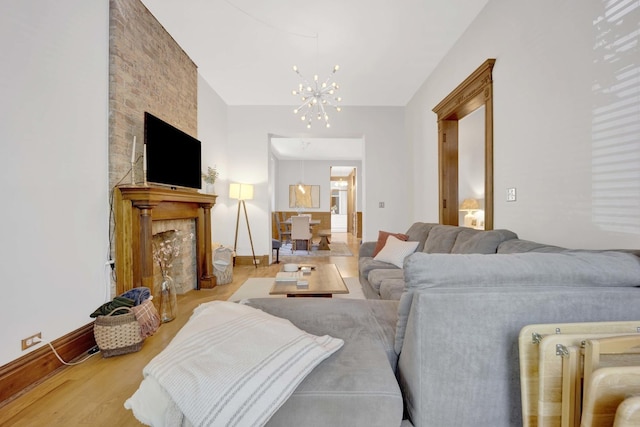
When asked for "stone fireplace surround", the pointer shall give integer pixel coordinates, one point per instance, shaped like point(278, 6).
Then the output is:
point(181, 232)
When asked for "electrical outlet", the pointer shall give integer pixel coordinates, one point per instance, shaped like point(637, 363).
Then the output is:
point(511, 194)
point(31, 341)
point(381, 204)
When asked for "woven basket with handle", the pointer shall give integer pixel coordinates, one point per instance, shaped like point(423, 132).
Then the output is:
point(116, 335)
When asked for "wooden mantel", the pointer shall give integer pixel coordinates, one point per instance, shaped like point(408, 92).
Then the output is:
point(135, 207)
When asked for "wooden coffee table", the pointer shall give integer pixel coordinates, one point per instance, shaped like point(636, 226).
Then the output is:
point(324, 281)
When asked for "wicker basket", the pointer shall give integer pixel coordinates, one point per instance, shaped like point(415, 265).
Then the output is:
point(116, 335)
point(223, 265)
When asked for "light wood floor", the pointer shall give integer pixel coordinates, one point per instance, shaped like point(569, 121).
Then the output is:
point(93, 393)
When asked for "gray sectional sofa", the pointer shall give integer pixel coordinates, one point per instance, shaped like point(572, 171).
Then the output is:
point(444, 352)
point(383, 280)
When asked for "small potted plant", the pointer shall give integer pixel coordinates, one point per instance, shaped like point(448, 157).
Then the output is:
point(210, 178)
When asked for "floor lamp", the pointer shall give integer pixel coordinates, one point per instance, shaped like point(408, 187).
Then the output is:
point(242, 192)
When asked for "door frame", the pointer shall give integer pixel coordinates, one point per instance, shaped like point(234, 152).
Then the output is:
point(474, 92)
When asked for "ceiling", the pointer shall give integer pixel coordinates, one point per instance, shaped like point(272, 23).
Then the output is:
point(320, 149)
point(245, 49)
point(317, 148)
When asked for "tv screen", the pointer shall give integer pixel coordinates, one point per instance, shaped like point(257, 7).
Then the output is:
point(173, 157)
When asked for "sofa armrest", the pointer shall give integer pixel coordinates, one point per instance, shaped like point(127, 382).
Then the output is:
point(459, 363)
point(366, 249)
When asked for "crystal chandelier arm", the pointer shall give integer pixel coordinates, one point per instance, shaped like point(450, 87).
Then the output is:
point(305, 82)
point(326, 82)
point(335, 70)
point(331, 104)
point(325, 115)
point(306, 103)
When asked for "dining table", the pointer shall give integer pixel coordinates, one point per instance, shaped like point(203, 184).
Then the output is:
point(312, 222)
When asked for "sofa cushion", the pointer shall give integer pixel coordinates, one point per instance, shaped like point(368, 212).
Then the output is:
point(518, 246)
point(568, 268)
point(391, 289)
point(356, 386)
point(367, 264)
point(382, 240)
point(441, 239)
point(377, 276)
point(395, 251)
point(471, 241)
point(418, 232)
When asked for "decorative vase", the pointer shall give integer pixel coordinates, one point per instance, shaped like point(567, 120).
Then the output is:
point(168, 299)
point(210, 188)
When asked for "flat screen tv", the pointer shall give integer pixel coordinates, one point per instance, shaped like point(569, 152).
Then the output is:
point(172, 156)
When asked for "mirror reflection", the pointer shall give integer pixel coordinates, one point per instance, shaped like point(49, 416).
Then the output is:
point(471, 161)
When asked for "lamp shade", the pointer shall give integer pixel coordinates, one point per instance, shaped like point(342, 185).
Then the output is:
point(469, 205)
point(240, 191)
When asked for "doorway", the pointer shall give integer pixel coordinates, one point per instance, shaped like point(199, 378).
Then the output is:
point(343, 199)
point(474, 92)
point(293, 160)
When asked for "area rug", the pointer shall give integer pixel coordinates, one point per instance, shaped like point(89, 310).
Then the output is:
point(336, 249)
point(258, 287)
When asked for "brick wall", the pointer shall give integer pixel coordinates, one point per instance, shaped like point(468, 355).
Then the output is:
point(148, 71)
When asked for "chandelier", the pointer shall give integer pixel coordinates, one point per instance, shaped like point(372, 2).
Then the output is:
point(316, 98)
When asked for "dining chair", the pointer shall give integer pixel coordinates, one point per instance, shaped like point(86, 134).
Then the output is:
point(309, 215)
point(284, 234)
point(300, 231)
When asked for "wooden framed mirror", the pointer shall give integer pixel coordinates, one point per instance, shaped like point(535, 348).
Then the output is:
point(473, 93)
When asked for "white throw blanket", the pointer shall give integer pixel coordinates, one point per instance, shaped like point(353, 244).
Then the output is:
point(232, 365)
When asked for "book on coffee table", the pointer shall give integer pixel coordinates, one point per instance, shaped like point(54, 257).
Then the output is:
point(288, 276)
point(324, 281)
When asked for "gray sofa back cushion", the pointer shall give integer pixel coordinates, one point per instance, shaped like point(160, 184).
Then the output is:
point(471, 241)
point(418, 232)
point(589, 269)
point(518, 246)
point(441, 239)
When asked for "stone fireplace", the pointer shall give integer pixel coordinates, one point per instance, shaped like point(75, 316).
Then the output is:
point(181, 235)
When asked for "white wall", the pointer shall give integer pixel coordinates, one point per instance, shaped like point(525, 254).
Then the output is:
point(53, 166)
point(316, 172)
point(551, 139)
point(385, 175)
point(212, 133)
